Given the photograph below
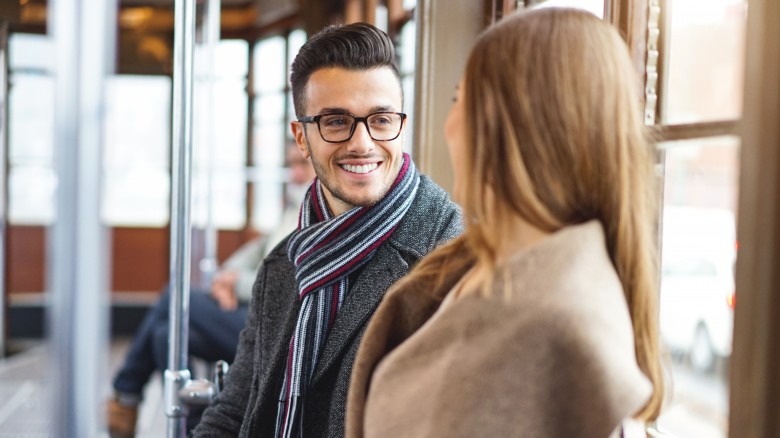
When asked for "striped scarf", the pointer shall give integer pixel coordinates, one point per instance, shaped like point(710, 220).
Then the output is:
point(325, 251)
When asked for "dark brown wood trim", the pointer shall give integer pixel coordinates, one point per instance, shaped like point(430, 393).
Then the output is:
point(754, 383)
point(630, 17)
point(369, 11)
point(496, 9)
point(353, 11)
point(665, 27)
point(397, 17)
point(280, 26)
point(695, 130)
point(612, 12)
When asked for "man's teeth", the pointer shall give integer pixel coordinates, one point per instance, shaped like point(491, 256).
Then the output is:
point(365, 168)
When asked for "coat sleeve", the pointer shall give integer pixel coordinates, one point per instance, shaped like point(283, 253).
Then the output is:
point(225, 415)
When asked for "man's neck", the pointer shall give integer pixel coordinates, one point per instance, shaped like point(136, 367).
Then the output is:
point(336, 206)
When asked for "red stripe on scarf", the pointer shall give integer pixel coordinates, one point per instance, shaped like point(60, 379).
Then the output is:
point(334, 309)
point(319, 284)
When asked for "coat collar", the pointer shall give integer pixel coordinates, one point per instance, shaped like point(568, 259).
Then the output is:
point(360, 304)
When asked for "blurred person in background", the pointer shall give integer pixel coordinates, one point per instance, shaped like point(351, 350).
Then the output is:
point(217, 316)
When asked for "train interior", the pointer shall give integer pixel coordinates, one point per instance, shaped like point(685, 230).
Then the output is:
point(710, 95)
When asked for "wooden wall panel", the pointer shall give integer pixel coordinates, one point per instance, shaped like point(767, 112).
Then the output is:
point(139, 261)
point(26, 256)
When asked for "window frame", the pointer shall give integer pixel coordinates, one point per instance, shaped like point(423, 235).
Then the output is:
point(754, 381)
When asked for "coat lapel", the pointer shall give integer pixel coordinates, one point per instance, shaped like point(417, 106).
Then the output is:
point(279, 316)
point(380, 273)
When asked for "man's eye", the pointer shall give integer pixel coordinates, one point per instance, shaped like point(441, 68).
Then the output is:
point(381, 120)
point(334, 121)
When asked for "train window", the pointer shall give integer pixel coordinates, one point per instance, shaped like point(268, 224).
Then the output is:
point(136, 159)
point(702, 172)
point(232, 60)
point(273, 112)
point(706, 45)
point(295, 41)
point(690, 54)
point(221, 120)
point(407, 52)
point(32, 180)
point(270, 81)
point(594, 6)
point(270, 64)
point(697, 283)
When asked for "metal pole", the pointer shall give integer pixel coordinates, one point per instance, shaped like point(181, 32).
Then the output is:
point(83, 33)
point(177, 375)
point(209, 262)
point(3, 180)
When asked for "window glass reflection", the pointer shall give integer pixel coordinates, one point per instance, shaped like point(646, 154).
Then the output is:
point(31, 178)
point(30, 52)
point(219, 139)
point(705, 60)
point(231, 59)
point(596, 7)
point(31, 190)
point(270, 64)
point(697, 296)
point(31, 119)
point(137, 145)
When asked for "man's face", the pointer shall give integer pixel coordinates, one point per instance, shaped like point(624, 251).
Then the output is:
point(360, 171)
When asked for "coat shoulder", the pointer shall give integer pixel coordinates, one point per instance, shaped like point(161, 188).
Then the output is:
point(432, 220)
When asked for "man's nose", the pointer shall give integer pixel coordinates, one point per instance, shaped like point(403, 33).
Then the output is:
point(361, 141)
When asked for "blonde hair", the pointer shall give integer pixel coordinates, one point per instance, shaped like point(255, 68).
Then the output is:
point(555, 136)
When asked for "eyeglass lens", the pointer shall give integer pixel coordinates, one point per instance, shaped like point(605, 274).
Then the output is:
point(339, 127)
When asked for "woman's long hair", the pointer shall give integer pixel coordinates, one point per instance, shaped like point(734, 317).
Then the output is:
point(555, 136)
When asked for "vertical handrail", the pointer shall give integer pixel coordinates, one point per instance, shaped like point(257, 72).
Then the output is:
point(208, 264)
point(83, 33)
point(3, 182)
point(183, 54)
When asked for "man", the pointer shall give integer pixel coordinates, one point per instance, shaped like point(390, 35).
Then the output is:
point(216, 316)
point(366, 220)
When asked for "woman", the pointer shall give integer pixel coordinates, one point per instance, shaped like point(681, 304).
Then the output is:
point(540, 321)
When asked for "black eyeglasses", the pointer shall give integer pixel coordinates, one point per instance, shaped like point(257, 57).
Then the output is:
point(339, 127)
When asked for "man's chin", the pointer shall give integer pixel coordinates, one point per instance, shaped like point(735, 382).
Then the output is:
point(362, 200)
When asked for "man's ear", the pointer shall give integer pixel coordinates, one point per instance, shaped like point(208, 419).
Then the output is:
point(299, 133)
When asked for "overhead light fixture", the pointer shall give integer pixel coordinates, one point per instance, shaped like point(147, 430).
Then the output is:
point(133, 18)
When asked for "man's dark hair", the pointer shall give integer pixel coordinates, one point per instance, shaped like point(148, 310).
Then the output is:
point(358, 46)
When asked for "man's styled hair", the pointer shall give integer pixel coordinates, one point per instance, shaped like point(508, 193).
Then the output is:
point(358, 46)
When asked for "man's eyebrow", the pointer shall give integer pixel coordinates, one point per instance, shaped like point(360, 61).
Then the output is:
point(374, 109)
point(382, 109)
point(333, 110)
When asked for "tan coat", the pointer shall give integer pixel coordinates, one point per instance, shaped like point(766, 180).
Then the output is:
point(554, 358)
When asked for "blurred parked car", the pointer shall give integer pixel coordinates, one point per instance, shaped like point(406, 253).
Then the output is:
point(697, 284)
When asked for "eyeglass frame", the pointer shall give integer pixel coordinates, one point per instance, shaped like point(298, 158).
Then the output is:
point(316, 119)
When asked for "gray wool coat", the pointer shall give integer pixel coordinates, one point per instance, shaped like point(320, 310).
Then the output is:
point(247, 406)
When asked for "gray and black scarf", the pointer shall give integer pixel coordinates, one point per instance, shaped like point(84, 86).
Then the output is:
point(325, 251)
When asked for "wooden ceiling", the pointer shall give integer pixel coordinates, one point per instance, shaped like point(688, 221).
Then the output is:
point(237, 15)
point(145, 27)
